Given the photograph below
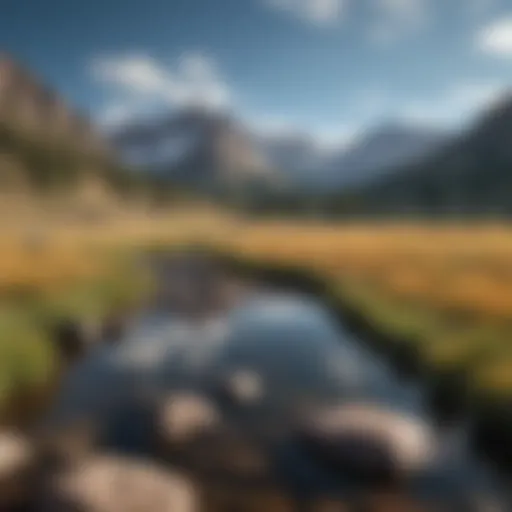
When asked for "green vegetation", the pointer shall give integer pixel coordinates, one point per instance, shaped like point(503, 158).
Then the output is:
point(29, 362)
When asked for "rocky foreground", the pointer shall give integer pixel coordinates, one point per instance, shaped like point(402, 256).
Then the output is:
point(69, 473)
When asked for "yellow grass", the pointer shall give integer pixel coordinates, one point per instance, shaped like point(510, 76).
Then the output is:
point(463, 269)
point(457, 272)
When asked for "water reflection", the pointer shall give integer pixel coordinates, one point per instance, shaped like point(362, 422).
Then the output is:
point(290, 342)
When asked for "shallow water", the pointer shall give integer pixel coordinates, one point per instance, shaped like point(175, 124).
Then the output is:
point(303, 356)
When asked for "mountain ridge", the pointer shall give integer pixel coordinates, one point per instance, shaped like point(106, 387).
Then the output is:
point(472, 174)
point(194, 141)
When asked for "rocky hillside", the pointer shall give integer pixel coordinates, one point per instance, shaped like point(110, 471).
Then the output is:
point(30, 106)
point(45, 143)
point(195, 147)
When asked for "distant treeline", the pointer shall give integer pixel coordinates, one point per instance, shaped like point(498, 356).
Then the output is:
point(416, 196)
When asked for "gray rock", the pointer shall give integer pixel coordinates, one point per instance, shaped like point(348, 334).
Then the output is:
point(115, 484)
point(243, 387)
point(17, 460)
point(185, 417)
point(368, 442)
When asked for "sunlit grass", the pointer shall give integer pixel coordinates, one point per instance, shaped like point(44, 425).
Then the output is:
point(446, 290)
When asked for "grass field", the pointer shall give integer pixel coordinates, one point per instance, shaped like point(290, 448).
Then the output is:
point(444, 291)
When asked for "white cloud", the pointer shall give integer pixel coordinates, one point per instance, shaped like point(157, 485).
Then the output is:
point(456, 105)
point(388, 21)
point(142, 80)
point(140, 85)
point(139, 73)
point(319, 12)
point(496, 38)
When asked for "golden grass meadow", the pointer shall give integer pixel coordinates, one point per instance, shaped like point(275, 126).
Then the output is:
point(445, 290)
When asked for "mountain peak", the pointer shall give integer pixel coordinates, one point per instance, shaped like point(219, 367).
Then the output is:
point(207, 142)
point(193, 145)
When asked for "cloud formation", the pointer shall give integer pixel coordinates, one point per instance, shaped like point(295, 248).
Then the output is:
point(141, 80)
point(496, 38)
point(392, 17)
point(388, 21)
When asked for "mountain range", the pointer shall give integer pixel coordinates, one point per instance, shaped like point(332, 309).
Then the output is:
point(380, 151)
point(202, 147)
point(194, 147)
point(470, 175)
point(394, 168)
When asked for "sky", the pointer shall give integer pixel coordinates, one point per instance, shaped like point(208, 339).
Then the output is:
point(332, 68)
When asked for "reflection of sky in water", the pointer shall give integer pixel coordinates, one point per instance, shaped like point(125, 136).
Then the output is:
point(295, 342)
point(291, 342)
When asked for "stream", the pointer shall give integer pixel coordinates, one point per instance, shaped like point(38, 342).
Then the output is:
point(303, 357)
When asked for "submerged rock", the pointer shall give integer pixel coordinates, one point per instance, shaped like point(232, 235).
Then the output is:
point(369, 444)
point(186, 416)
point(243, 387)
point(191, 430)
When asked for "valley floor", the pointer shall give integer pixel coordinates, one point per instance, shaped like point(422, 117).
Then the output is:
point(440, 296)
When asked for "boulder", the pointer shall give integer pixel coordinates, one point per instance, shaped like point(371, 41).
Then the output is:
point(243, 387)
point(103, 483)
point(17, 463)
point(193, 432)
point(184, 417)
point(369, 443)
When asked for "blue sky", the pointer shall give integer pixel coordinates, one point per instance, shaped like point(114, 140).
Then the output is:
point(331, 67)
